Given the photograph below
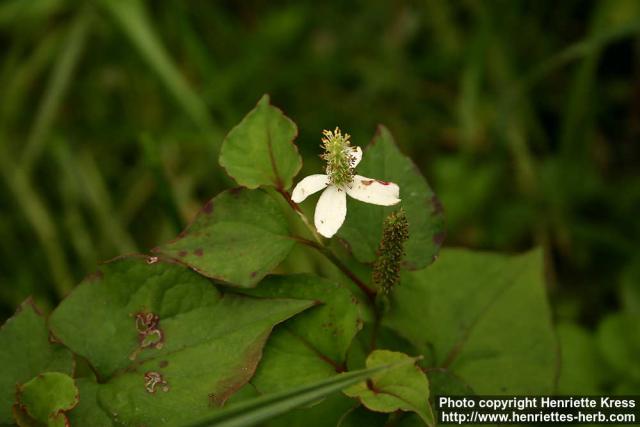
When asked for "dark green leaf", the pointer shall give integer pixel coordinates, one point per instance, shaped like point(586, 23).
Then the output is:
point(362, 229)
point(26, 352)
point(237, 238)
point(260, 149)
point(483, 316)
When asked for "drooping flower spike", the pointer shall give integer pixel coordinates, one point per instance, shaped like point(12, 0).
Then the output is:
point(339, 181)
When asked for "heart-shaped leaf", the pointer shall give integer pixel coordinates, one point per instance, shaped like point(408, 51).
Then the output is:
point(362, 229)
point(26, 352)
point(404, 387)
point(166, 344)
point(237, 238)
point(468, 314)
point(260, 149)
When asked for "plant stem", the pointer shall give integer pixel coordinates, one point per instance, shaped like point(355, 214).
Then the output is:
point(341, 266)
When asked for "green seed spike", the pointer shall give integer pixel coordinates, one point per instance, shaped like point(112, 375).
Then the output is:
point(386, 268)
point(339, 157)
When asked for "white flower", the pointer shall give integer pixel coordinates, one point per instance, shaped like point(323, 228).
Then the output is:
point(331, 209)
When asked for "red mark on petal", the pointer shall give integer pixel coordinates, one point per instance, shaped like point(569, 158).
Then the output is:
point(367, 182)
point(383, 182)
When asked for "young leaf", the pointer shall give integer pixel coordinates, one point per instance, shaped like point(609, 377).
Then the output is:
point(468, 313)
point(404, 387)
point(166, 344)
point(362, 229)
point(26, 352)
point(237, 238)
point(47, 397)
point(313, 345)
point(260, 150)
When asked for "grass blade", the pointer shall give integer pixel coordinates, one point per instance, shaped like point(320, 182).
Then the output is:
point(257, 410)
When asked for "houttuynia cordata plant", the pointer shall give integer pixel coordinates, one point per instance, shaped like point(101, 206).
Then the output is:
point(280, 307)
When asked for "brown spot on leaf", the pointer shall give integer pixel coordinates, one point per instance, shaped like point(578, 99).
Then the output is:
point(149, 333)
point(153, 380)
point(164, 363)
point(438, 238)
point(254, 273)
point(182, 253)
point(208, 207)
point(198, 252)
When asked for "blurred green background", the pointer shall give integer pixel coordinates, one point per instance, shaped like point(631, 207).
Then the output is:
point(523, 115)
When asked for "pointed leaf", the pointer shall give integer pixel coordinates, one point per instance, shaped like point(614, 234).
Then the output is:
point(313, 345)
point(237, 238)
point(362, 229)
point(165, 342)
point(26, 352)
point(260, 149)
point(404, 387)
point(468, 313)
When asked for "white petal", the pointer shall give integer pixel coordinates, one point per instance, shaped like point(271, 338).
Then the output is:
point(373, 191)
point(356, 152)
point(309, 185)
point(331, 211)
